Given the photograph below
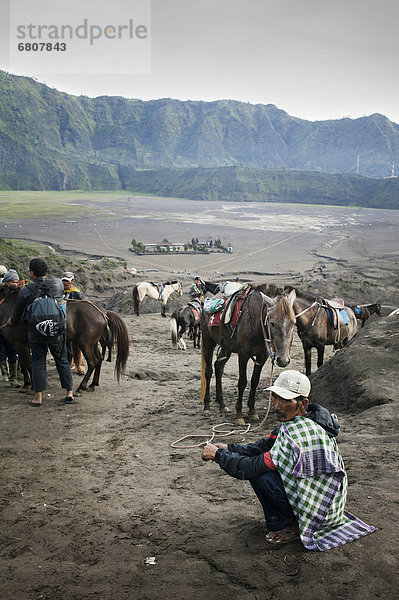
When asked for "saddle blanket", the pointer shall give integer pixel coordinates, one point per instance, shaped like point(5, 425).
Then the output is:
point(343, 317)
point(195, 311)
point(216, 317)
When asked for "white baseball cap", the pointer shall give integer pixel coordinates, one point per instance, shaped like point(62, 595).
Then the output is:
point(68, 276)
point(291, 384)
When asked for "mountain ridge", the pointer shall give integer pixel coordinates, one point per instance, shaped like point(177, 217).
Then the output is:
point(54, 140)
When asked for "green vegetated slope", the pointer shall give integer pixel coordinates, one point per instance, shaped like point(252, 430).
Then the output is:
point(52, 140)
point(245, 185)
point(90, 273)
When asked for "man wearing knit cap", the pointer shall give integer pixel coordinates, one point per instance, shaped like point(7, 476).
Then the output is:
point(11, 277)
point(296, 472)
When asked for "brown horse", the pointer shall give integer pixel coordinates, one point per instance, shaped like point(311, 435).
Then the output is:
point(87, 327)
point(265, 328)
point(313, 320)
point(363, 311)
point(15, 335)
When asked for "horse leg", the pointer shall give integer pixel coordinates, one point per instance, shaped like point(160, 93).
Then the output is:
point(197, 336)
point(258, 366)
point(219, 368)
point(163, 309)
point(308, 359)
point(96, 377)
point(242, 384)
point(25, 364)
point(320, 356)
point(182, 330)
point(208, 346)
point(91, 364)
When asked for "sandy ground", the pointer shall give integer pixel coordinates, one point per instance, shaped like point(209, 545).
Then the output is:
point(91, 491)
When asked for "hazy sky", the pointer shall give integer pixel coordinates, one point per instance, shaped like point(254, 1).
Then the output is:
point(316, 59)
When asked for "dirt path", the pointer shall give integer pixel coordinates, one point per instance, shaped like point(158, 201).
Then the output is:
point(92, 490)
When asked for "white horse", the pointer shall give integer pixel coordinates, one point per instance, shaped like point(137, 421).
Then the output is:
point(156, 291)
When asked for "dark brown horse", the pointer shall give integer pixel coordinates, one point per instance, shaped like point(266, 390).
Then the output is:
point(87, 327)
point(363, 311)
point(186, 318)
point(313, 320)
point(15, 335)
point(265, 328)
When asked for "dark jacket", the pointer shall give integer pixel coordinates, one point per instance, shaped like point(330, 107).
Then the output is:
point(249, 461)
point(54, 288)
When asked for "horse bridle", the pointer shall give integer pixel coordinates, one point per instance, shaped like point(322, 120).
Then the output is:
point(267, 334)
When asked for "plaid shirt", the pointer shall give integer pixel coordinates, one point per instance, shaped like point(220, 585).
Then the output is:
point(315, 481)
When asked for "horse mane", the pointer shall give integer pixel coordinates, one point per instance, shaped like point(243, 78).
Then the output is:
point(170, 282)
point(284, 306)
point(270, 289)
point(299, 293)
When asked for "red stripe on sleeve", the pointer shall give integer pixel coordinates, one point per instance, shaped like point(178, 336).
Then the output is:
point(268, 461)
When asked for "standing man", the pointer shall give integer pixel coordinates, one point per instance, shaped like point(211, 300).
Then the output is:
point(296, 472)
point(197, 289)
point(38, 343)
point(71, 292)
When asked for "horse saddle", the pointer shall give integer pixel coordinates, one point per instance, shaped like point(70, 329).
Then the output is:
point(231, 288)
point(159, 288)
point(234, 303)
point(336, 312)
point(213, 305)
point(196, 309)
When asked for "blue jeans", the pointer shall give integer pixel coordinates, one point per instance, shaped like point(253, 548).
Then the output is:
point(271, 494)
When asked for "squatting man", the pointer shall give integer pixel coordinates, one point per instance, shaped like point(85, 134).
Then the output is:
point(297, 471)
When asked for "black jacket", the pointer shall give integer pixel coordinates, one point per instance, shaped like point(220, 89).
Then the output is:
point(248, 461)
point(54, 288)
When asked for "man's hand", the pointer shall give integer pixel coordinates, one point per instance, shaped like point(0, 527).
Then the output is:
point(9, 322)
point(209, 451)
point(222, 446)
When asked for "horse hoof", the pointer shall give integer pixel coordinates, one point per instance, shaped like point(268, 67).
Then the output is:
point(239, 421)
point(78, 393)
point(253, 417)
point(225, 410)
point(207, 412)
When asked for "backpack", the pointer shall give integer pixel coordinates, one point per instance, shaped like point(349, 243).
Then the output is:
point(45, 316)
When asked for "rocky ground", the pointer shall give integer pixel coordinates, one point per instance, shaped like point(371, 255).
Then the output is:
point(92, 492)
point(96, 503)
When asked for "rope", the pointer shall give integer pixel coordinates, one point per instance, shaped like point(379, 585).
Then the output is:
point(224, 433)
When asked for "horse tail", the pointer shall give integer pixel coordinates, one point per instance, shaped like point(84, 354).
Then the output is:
point(120, 337)
point(136, 301)
point(173, 329)
point(203, 367)
point(107, 343)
